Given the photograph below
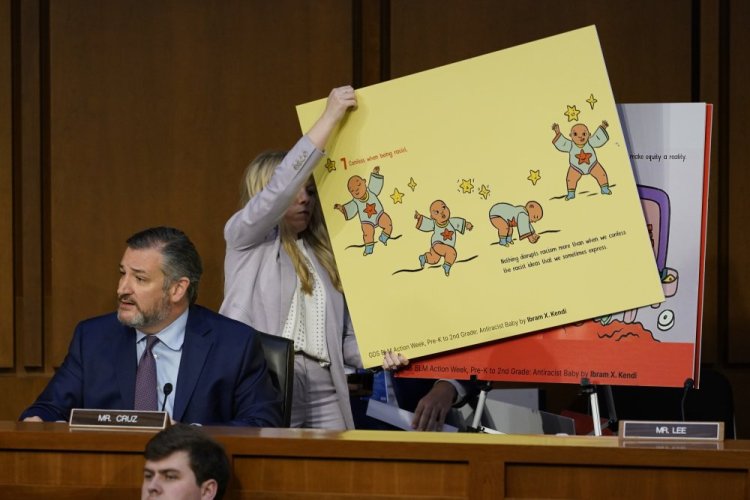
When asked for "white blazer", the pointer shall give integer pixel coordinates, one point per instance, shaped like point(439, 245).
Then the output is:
point(260, 280)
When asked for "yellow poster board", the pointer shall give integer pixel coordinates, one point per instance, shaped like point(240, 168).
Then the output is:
point(458, 214)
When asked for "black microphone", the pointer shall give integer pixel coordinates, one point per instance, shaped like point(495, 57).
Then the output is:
point(686, 386)
point(167, 392)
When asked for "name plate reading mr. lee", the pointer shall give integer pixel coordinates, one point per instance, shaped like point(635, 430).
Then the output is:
point(672, 431)
point(118, 419)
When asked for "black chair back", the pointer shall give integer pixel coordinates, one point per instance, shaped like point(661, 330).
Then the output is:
point(279, 354)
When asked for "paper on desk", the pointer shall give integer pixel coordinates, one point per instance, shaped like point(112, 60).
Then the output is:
point(395, 416)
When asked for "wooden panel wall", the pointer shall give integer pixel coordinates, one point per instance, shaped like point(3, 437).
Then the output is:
point(132, 113)
point(28, 185)
point(155, 111)
point(6, 189)
point(647, 61)
point(707, 68)
point(734, 203)
point(737, 201)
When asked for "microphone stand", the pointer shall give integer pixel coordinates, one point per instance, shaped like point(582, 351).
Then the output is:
point(476, 425)
point(686, 386)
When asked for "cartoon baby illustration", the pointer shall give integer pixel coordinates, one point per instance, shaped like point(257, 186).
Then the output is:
point(582, 157)
point(444, 229)
point(504, 217)
point(366, 204)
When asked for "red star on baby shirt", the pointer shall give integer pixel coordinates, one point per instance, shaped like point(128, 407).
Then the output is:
point(583, 157)
point(447, 235)
point(370, 209)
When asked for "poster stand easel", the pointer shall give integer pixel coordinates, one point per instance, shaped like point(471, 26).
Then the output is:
point(476, 425)
point(590, 389)
point(587, 388)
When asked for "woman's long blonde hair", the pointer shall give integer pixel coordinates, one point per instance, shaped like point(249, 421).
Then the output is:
point(257, 175)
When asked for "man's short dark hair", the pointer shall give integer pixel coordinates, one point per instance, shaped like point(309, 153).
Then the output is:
point(208, 460)
point(181, 258)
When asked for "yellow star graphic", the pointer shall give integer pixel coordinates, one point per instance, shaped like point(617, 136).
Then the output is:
point(330, 165)
point(466, 185)
point(412, 184)
point(397, 196)
point(534, 176)
point(572, 113)
point(592, 100)
point(484, 191)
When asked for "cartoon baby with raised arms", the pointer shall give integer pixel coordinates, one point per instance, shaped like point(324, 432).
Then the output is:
point(582, 156)
point(444, 229)
point(504, 217)
point(366, 204)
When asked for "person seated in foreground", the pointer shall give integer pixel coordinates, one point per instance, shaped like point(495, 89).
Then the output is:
point(182, 462)
point(160, 339)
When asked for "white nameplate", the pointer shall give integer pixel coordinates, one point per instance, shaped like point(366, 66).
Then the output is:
point(672, 431)
point(118, 419)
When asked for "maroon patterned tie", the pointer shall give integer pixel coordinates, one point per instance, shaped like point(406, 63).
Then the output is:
point(145, 378)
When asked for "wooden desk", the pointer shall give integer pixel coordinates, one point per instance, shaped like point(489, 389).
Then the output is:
point(50, 461)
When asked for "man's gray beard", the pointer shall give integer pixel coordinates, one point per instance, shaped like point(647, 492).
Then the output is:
point(149, 318)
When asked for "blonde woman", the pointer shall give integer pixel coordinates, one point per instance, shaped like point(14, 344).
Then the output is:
point(280, 274)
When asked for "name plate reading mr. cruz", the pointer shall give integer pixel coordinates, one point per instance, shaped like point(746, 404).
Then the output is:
point(672, 431)
point(118, 419)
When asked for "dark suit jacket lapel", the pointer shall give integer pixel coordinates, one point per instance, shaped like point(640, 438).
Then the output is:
point(126, 365)
point(195, 349)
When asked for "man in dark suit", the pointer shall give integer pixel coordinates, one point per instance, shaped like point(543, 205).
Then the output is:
point(159, 340)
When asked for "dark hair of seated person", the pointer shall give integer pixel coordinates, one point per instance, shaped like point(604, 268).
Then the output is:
point(208, 460)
